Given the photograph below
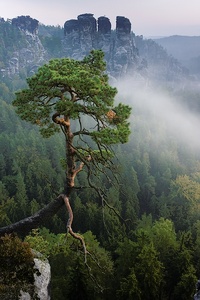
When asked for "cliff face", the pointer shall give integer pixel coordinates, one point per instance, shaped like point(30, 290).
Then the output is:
point(125, 57)
point(86, 33)
point(25, 51)
point(159, 64)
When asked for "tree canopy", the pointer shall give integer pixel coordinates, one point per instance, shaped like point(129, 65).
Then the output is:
point(65, 90)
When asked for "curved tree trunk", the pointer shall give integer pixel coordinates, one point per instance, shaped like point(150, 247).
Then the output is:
point(23, 227)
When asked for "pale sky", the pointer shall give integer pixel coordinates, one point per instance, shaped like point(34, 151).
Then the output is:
point(148, 17)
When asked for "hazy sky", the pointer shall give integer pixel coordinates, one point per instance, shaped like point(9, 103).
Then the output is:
point(148, 17)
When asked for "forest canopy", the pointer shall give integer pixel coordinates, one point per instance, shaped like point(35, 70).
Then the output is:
point(157, 192)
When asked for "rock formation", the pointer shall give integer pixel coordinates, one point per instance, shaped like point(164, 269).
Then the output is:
point(125, 53)
point(104, 37)
point(26, 23)
point(86, 33)
point(42, 279)
point(31, 53)
point(79, 36)
point(125, 56)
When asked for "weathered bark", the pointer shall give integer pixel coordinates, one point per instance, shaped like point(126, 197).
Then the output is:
point(23, 227)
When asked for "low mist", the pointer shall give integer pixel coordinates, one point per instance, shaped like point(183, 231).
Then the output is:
point(160, 109)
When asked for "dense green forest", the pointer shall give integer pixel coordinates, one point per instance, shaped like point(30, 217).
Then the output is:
point(152, 250)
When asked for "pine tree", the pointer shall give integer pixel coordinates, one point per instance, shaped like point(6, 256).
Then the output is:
point(75, 98)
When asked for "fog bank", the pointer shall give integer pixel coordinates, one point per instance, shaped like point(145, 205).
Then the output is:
point(159, 108)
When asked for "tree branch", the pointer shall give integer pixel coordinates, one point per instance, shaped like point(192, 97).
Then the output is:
point(23, 227)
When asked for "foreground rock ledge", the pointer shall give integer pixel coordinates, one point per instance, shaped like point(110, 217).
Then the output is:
point(42, 279)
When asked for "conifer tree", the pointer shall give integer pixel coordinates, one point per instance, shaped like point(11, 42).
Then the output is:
point(75, 98)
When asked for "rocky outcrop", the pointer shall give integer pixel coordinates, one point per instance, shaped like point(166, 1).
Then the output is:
point(80, 36)
point(104, 25)
point(125, 53)
point(30, 53)
point(104, 41)
point(26, 23)
point(87, 33)
point(42, 280)
point(159, 65)
point(25, 274)
point(125, 57)
point(71, 44)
